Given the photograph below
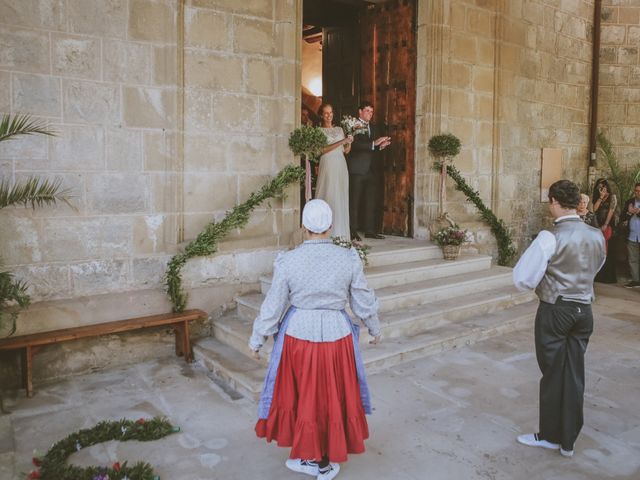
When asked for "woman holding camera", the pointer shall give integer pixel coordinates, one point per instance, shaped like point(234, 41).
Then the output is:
point(604, 207)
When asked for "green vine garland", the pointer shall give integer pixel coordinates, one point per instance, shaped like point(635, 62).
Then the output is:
point(53, 466)
point(506, 250)
point(206, 243)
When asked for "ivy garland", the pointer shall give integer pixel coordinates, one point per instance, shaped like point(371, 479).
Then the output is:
point(206, 243)
point(506, 250)
point(53, 466)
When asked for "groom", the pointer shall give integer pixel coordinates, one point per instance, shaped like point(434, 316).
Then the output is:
point(366, 172)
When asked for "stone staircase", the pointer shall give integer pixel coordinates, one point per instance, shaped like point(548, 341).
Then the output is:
point(427, 305)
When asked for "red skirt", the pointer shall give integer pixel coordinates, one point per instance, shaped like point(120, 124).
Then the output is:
point(316, 407)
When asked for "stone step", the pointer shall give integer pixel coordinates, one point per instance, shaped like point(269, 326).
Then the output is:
point(234, 330)
point(242, 373)
point(246, 375)
point(394, 250)
point(414, 271)
point(416, 293)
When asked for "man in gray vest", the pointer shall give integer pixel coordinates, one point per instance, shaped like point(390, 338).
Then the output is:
point(561, 264)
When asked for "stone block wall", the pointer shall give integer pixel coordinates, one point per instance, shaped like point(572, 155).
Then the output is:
point(619, 98)
point(167, 113)
point(508, 78)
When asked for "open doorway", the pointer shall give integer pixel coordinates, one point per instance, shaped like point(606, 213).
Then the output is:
point(356, 50)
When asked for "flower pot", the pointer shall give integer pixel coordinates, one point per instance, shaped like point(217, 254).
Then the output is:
point(450, 252)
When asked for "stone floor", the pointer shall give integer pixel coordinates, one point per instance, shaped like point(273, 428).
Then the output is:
point(452, 416)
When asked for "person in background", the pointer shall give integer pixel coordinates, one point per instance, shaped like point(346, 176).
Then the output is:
point(604, 207)
point(560, 265)
point(583, 210)
point(315, 394)
point(630, 218)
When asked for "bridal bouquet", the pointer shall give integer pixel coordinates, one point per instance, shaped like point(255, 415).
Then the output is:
point(353, 126)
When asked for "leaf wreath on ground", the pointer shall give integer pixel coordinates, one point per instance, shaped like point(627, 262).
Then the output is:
point(53, 466)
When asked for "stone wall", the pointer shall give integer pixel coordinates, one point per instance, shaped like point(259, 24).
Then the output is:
point(508, 78)
point(167, 113)
point(619, 97)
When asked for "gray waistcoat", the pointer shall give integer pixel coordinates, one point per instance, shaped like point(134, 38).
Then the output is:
point(578, 256)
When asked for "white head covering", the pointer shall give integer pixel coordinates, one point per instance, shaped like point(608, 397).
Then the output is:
point(317, 216)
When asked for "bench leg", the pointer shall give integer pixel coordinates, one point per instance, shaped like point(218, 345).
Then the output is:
point(27, 370)
point(183, 343)
point(177, 329)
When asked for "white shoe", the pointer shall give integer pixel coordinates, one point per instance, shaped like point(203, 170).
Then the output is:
point(531, 440)
point(332, 472)
point(566, 453)
point(303, 466)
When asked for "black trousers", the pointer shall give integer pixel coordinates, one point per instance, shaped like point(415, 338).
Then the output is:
point(363, 202)
point(562, 332)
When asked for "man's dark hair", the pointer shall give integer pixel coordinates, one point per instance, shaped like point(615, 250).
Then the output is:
point(636, 185)
point(566, 193)
point(364, 104)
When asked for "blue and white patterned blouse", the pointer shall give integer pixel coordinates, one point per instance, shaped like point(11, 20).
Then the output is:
point(320, 279)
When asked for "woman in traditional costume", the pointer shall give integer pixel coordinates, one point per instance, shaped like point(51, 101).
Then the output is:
point(315, 394)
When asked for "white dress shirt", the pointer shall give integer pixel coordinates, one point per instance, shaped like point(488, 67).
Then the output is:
point(533, 263)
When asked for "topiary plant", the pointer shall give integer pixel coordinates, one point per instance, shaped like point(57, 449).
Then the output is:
point(443, 147)
point(307, 142)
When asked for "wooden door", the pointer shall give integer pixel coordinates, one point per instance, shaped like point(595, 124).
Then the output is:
point(388, 80)
point(340, 70)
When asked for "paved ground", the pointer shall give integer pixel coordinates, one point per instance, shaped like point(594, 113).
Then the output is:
point(453, 416)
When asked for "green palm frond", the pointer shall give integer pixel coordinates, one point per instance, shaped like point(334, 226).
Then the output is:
point(35, 191)
point(623, 178)
point(21, 125)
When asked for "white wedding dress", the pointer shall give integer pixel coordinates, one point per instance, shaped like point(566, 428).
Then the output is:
point(333, 183)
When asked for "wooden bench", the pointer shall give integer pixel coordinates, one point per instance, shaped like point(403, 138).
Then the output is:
point(30, 344)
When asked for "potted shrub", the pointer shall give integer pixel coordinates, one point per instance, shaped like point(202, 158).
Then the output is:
point(307, 142)
point(443, 148)
point(450, 239)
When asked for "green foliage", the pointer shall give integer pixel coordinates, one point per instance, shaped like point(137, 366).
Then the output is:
point(33, 191)
point(446, 145)
point(54, 463)
point(622, 179)
point(452, 235)
point(308, 141)
point(506, 250)
point(13, 297)
point(21, 125)
point(206, 243)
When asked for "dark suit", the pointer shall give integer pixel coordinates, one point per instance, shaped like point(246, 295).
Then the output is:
point(366, 176)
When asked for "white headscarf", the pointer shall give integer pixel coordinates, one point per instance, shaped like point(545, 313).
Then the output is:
point(317, 216)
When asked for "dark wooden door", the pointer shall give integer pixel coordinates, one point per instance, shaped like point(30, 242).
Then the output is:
point(340, 70)
point(388, 80)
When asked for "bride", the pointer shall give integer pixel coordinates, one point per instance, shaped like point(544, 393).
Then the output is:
point(333, 176)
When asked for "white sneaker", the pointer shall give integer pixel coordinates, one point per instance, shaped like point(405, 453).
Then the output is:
point(302, 466)
point(531, 440)
point(566, 453)
point(331, 472)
